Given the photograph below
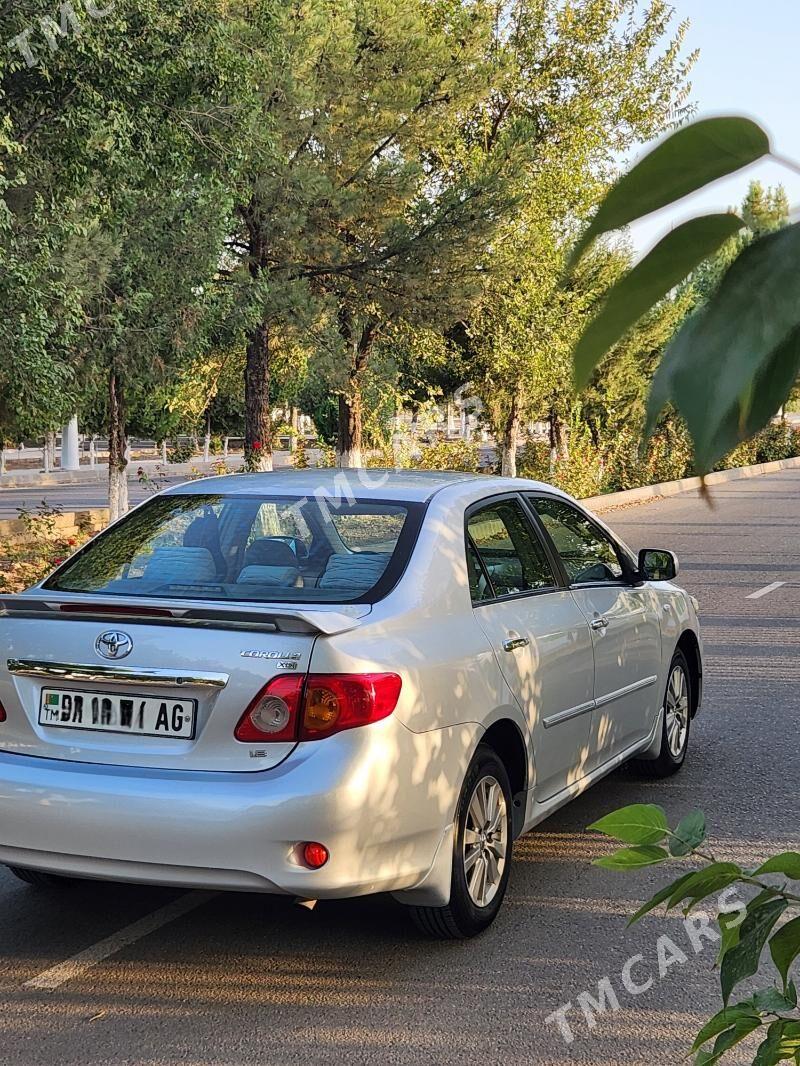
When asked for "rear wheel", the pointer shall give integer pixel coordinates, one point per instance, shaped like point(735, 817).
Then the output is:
point(38, 878)
point(677, 722)
point(481, 853)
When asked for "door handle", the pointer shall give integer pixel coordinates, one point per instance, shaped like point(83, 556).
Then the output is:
point(598, 624)
point(515, 642)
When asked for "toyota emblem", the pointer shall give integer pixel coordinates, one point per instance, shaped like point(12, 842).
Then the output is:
point(113, 644)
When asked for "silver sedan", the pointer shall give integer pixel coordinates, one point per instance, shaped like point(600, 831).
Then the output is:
point(324, 684)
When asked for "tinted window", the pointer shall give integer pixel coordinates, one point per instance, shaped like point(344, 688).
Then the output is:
point(587, 553)
point(285, 549)
point(513, 559)
point(371, 529)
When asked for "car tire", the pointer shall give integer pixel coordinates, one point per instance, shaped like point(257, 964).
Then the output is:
point(38, 878)
point(481, 853)
point(676, 724)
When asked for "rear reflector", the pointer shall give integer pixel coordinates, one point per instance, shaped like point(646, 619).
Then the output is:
point(315, 855)
point(297, 708)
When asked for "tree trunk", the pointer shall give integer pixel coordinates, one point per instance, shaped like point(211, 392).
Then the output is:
point(349, 454)
point(351, 406)
point(258, 420)
point(559, 442)
point(508, 450)
point(50, 448)
point(117, 446)
point(295, 424)
point(207, 441)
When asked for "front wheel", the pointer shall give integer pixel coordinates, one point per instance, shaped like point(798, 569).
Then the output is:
point(677, 722)
point(481, 853)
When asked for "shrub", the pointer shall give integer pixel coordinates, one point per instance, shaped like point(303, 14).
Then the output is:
point(743, 454)
point(533, 460)
point(581, 473)
point(181, 453)
point(300, 455)
point(774, 443)
point(450, 455)
point(42, 547)
point(668, 458)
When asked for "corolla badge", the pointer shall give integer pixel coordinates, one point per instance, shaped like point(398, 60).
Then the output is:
point(113, 644)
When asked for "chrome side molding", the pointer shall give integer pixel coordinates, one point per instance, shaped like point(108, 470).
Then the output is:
point(115, 675)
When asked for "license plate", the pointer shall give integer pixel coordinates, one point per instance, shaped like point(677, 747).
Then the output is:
point(145, 716)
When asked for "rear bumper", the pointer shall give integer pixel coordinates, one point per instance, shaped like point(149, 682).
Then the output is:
point(380, 798)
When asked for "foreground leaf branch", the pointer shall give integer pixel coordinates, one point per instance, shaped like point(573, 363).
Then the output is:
point(733, 363)
point(769, 921)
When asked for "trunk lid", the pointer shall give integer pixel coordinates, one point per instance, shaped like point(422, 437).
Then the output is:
point(171, 658)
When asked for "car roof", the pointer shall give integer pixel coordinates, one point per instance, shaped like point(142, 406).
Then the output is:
point(368, 484)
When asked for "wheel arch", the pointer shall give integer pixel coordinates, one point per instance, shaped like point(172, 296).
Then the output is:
point(690, 646)
point(507, 742)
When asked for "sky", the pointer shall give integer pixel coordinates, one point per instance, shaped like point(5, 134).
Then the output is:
point(749, 64)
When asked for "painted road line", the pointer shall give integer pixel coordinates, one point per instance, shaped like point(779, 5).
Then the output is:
point(766, 590)
point(85, 960)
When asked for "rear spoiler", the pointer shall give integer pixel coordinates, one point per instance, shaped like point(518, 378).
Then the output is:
point(236, 616)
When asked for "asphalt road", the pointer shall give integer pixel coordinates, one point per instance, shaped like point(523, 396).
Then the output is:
point(69, 497)
point(243, 980)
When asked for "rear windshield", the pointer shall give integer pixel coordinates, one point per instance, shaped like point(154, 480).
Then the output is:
point(263, 549)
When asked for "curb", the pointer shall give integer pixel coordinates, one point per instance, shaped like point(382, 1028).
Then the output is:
point(611, 500)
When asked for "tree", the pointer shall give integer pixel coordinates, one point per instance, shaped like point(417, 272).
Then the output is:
point(579, 84)
point(110, 148)
point(356, 218)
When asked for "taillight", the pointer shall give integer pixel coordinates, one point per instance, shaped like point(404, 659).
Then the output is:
point(273, 713)
point(333, 702)
point(296, 708)
point(2, 713)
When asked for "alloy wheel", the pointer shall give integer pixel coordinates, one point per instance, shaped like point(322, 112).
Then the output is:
point(677, 711)
point(485, 841)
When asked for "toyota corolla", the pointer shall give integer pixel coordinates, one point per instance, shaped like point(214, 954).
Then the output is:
point(322, 686)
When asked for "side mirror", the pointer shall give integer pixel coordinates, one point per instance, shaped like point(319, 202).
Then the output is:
point(657, 564)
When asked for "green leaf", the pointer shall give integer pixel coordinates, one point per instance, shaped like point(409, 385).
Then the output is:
point(771, 1001)
point(731, 927)
point(730, 935)
point(768, 1052)
point(704, 882)
point(785, 947)
point(731, 365)
point(789, 1045)
point(689, 832)
point(788, 863)
point(722, 1020)
point(641, 823)
point(689, 159)
point(633, 858)
point(742, 961)
point(648, 282)
point(660, 897)
point(730, 1038)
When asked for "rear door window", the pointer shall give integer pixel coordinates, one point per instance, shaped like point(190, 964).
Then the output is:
point(512, 558)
